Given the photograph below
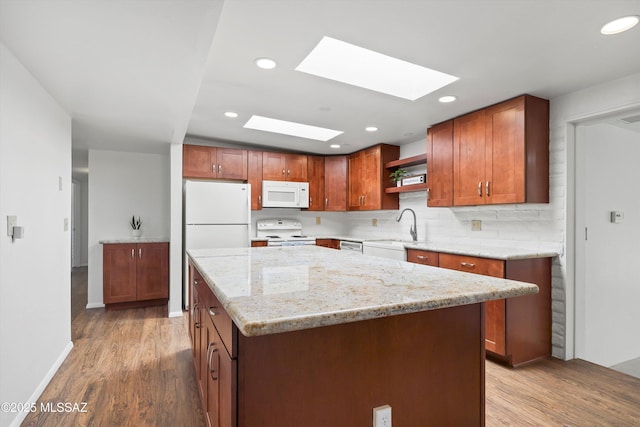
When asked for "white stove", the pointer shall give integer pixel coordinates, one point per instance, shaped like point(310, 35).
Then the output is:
point(283, 232)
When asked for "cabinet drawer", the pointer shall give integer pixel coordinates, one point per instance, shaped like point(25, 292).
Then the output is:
point(223, 323)
point(423, 257)
point(485, 266)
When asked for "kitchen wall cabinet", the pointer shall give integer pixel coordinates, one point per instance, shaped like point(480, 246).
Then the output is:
point(213, 162)
point(517, 330)
point(440, 164)
point(368, 178)
point(284, 167)
point(316, 176)
point(134, 273)
point(254, 177)
point(335, 183)
point(328, 243)
point(501, 154)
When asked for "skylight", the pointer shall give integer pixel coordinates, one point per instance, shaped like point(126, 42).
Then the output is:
point(291, 128)
point(337, 60)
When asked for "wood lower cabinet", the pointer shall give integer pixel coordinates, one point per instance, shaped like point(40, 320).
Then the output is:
point(135, 272)
point(368, 178)
point(259, 243)
point(517, 330)
point(328, 243)
point(213, 162)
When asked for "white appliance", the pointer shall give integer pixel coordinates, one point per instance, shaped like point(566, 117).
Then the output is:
point(283, 232)
point(391, 249)
point(347, 245)
point(216, 215)
point(285, 194)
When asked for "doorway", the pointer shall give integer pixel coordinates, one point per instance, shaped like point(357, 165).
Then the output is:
point(607, 231)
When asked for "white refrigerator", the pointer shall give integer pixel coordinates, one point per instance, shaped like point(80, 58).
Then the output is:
point(216, 215)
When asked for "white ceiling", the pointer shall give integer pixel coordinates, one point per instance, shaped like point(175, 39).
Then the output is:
point(139, 74)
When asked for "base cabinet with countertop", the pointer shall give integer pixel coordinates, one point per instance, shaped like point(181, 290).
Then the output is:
point(269, 358)
point(328, 243)
point(517, 330)
point(135, 273)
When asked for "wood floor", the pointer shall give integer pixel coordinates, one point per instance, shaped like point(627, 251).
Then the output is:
point(134, 368)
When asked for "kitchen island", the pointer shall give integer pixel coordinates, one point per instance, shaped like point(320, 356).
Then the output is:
point(292, 336)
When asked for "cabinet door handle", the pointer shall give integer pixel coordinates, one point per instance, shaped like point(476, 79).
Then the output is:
point(133, 251)
point(288, 172)
point(211, 370)
point(423, 257)
point(480, 189)
point(211, 312)
point(213, 168)
point(140, 253)
point(282, 171)
point(310, 201)
point(326, 201)
point(428, 193)
point(467, 264)
point(194, 312)
point(259, 200)
point(486, 188)
point(219, 168)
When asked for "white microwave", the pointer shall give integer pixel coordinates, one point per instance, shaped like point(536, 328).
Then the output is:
point(285, 194)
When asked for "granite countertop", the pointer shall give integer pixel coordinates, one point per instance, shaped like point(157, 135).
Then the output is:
point(141, 239)
point(279, 289)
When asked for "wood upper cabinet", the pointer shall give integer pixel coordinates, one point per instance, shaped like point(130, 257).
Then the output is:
point(501, 154)
point(254, 177)
point(214, 162)
point(368, 178)
point(316, 176)
point(335, 183)
point(284, 167)
point(440, 164)
point(135, 272)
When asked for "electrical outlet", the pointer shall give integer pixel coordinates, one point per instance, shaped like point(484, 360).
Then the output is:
point(382, 416)
point(318, 220)
point(476, 225)
point(374, 222)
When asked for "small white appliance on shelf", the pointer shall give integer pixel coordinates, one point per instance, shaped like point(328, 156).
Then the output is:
point(285, 194)
point(282, 232)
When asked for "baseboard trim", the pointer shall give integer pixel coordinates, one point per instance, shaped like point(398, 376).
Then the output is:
point(95, 305)
point(43, 384)
point(175, 313)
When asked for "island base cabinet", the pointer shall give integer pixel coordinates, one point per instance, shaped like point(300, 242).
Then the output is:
point(428, 366)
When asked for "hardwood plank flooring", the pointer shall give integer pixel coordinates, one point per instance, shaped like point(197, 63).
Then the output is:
point(134, 368)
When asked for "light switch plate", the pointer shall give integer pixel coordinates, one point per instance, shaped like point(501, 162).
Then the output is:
point(12, 221)
point(374, 222)
point(476, 225)
point(318, 220)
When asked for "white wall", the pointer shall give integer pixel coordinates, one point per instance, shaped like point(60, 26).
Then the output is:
point(609, 182)
point(122, 184)
point(35, 275)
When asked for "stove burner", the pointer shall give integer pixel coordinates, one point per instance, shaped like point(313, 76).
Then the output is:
point(299, 236)
point(272, 237)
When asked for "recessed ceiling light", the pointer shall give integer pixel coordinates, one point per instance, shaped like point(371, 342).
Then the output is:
point(448, 98)
point(335, 146)
point(266, 63)
point(337, 60)
point(231, 114)
point(619, 25)
point(291, 128)
point(371, 128)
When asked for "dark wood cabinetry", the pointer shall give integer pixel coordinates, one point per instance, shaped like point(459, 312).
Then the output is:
point(135, 273)
point(440, 164)
point(368, 178)
point(328, 243)
point(284, 167)
point(254, 177)
point(316, 176)
point(213, 162)
point(517, 330)
point(335, 183)
point(259, 243)
point(501, 154)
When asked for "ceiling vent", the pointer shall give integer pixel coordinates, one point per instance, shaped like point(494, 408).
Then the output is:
point(632, 119)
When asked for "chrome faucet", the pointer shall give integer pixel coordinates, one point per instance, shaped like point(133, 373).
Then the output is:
point(413, 230)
